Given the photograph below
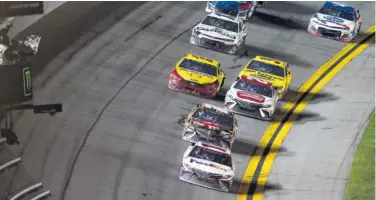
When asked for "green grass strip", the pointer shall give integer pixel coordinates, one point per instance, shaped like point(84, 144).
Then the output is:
point(361, 184)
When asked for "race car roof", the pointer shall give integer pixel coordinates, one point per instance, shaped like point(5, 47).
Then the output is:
point(225, 17)
point(272, 61)
point(339, 6)
point(202, 59)
point(206, 105)
point(214, 148)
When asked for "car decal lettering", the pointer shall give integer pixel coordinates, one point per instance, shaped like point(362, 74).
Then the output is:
point(251, 96)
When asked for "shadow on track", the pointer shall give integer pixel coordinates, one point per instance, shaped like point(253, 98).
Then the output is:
point(221, 94)
point(297, 118)
point(293, 95)
point(278, 22)
point(361, 37)
point(292, 59)
point(268, 186)
point(290, 7)
point(246, 147)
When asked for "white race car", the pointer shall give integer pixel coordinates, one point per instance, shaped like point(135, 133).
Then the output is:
point(252, 97)
point(220, 32)
point(239, 9)
point(336, 21)
point(208, 166)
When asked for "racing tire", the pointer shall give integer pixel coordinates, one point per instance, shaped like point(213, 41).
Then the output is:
point(358, 31)
point(225, 187)
point(225, 144)
point(223, 82)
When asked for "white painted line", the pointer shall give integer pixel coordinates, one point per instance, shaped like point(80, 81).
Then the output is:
point(9, 164)
point(42, 195)
point(2, 140)
point(27, 190)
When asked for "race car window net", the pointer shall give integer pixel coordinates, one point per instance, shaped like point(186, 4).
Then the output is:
point(198, 67)
point(337, 13)
point(254, 88)
point(267, 68)
point(210, 155)
point(220, 23)
point(212, 115)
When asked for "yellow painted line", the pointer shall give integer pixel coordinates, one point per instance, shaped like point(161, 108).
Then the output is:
point(259, 167)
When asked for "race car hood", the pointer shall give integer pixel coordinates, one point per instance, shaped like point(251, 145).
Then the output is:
point(250, 97)
point(335, 22)
point(275, 80)
point(201, 125)
point(208, 166)
point(216, 32)
point(196, 77)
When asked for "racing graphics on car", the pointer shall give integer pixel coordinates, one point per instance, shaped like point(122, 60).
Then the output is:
point(214, 126)
point(252, 97)
point(208, 166)
point(336, 21)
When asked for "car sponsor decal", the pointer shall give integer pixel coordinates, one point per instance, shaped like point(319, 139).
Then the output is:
point(333, 19)
point(256, 81)
point(196, 73)
point(251, 96)
point(216, 30)
point(210, 125)
point(207, 164)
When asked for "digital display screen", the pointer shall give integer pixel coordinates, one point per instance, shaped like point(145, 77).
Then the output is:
point(27, 81)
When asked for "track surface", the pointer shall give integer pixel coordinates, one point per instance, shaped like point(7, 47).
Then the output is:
point(320, 169)
point(115, 92)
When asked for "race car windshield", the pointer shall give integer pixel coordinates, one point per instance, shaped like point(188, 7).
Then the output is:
point(198, 67)
point(220, 23)
point(326, 10)
point(254, 88)
point(213, 156)
point(267, 68)
point(212, 116)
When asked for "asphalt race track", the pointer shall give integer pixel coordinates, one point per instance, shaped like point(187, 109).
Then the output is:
point(119, 136)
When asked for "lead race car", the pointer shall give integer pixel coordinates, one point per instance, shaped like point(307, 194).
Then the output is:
point(252, 97)
point(336, 21)
point(211, 124)
point(208, 166)
point(239, 9)
point(220, 32)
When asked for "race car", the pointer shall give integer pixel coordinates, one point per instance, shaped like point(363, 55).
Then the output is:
point(239, 9)
point(252, 97)
point(220, 32)
point(198, 76)
point(336, 21)
point(211, 124)
point(275, 71)
point(208, 166)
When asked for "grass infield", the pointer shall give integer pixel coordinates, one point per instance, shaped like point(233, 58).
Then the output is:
point(361, 183)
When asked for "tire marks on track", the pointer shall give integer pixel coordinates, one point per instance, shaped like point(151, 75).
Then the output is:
point(75, 159)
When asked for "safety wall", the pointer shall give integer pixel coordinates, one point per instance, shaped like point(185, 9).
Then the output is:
point(21, 23)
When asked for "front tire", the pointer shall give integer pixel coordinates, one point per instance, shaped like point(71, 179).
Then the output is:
point(225, 187)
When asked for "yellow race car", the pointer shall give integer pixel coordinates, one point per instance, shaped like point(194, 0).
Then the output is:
point(274, 71)
point(197, 75)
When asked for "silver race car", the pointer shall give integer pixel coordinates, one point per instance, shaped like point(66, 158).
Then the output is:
point(252, 97)
point(336, 21)
point(208, 166)
point(220, 32)
point(211, 124)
